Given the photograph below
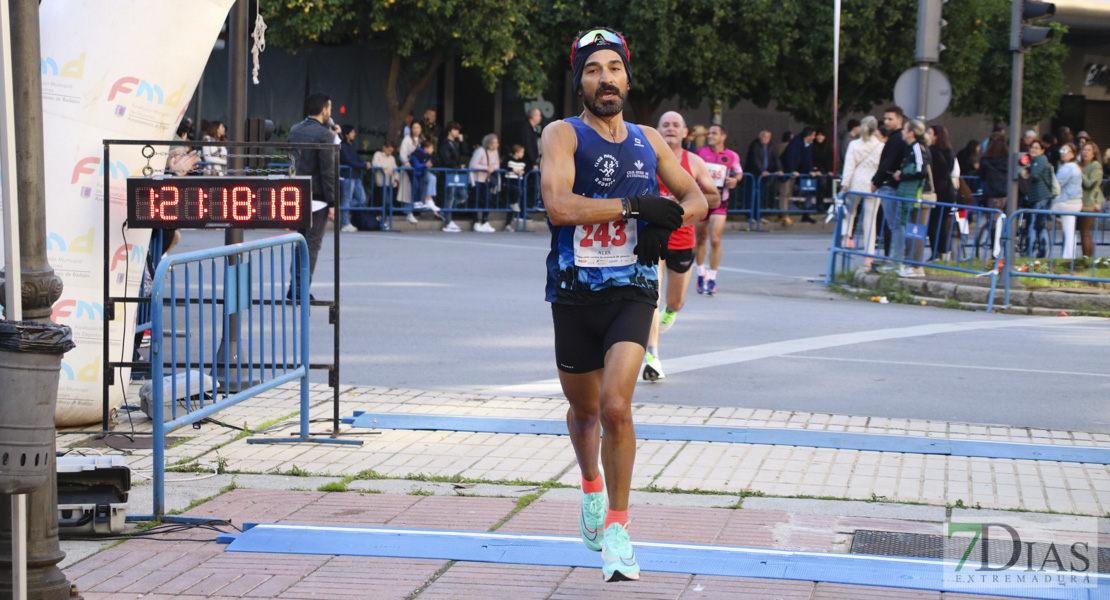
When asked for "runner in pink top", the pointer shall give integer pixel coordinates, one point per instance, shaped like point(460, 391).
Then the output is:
point(724, 168)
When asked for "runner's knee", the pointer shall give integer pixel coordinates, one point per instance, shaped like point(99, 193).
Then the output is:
point(616, 413)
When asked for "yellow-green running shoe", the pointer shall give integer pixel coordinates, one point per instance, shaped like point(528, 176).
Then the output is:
point(653, 368)
point(666, 319)
point(618, 559)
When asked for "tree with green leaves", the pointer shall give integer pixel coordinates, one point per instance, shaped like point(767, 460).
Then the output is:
point(490, 36)
point(683, 49)
point(877, 40)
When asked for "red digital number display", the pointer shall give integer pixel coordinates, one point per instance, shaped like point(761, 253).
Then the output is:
point(218, 202)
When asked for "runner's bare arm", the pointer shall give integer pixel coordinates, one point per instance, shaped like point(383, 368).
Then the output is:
point(705, 181)
point(564, 207)
point(677, 180)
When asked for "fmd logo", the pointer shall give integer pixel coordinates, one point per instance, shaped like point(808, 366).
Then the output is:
point(131, 254)
point(78, 309)
point(144, 89)
point(89, 372)
point(74, 69)
point(82, 244)
point(91, 164)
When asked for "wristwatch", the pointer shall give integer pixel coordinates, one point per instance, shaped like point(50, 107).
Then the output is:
point(624, 208)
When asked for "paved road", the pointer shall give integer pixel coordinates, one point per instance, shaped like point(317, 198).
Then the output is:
point(465, 312)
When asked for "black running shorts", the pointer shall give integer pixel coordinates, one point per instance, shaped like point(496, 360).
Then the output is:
point(679, 261)
point(584, 333)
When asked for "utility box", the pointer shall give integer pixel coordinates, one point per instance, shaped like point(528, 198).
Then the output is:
point(92, 494)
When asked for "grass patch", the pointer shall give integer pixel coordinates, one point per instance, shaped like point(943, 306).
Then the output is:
point(334, 486)
point(421, 493)
point(521, 504)
point(293, 471)
point(195, 503)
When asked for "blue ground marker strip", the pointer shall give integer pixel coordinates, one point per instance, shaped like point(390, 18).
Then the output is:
point(662, 557)
point(874, 442)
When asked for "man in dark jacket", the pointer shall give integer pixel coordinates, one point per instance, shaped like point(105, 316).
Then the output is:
point(894, 153)
point(530, 139)
point(451, 156)
point(320, 165)
point(796, 159)
point(761, 155)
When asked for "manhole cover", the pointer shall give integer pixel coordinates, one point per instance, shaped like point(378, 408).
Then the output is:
point(923, 545)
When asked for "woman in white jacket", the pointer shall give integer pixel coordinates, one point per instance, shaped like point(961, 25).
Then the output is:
point(860, 164)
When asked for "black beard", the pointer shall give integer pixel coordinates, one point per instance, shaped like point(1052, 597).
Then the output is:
point(605, 108)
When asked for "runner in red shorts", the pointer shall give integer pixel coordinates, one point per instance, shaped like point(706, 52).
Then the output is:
point(724, 167)
point(680, 250)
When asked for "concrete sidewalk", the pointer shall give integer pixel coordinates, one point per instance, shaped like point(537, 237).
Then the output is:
point(763, 496)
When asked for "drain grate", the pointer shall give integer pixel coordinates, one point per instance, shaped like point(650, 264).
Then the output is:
point(923, 545)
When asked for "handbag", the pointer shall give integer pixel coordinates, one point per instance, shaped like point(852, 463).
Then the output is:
point(931, 194)
point(1055, 184)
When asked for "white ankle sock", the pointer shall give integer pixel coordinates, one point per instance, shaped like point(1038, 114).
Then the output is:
point(713, 275)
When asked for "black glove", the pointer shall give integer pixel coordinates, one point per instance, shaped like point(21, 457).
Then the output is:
point(655, 210)
point(652, 244)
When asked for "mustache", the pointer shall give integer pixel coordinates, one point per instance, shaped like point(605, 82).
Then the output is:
point(607, 87)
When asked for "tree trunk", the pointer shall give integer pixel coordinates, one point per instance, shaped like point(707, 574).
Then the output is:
point(643, 109)
point(397, 108)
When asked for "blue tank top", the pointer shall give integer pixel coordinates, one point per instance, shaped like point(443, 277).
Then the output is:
point(591, 264)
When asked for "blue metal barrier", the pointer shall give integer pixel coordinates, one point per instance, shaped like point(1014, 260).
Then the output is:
point(1016, 232)
point(250, 281)
point(789, 194)
point(743, 199)
point(853, 235)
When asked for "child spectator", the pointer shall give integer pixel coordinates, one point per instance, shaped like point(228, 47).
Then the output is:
point(423, 179)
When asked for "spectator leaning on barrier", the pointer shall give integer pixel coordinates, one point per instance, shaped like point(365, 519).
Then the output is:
point(1092, 194)
point(992, 174)
point(1040, 196)
point(424, 181)
point(822, 166)
point(322, 168)
point(893, 153)
point(1071, 196)
point(945, 170)
point(911, 180)
point(385, 160)
point(796, 159)
point(409, 195)
point(763, 159)
point(351, 191)
point(451, 157)
point(215, 155)
point(530, 139)
point(484, 164)
point(514, 181)
point(860, 164)
point(846, 137)
point(969, 159)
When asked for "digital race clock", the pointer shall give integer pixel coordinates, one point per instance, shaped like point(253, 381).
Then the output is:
point(219, 202)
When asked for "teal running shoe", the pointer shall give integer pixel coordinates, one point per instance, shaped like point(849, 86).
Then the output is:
point(666, 319)
point(618, 559)
point(591, 522)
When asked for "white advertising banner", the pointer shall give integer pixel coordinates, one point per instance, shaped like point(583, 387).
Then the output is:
point(111, 69)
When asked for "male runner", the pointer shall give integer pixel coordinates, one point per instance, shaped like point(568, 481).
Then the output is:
point(608, 229)
point(724, 166)
point(680, 249)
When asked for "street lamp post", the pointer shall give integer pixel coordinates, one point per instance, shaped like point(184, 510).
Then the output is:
point(40, 288)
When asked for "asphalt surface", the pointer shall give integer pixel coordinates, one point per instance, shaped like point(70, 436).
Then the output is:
point(466, 312)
